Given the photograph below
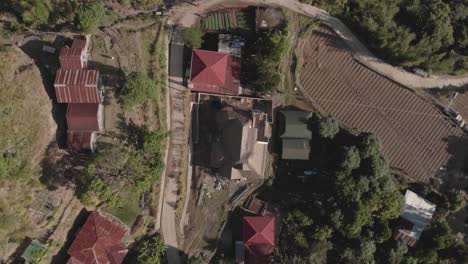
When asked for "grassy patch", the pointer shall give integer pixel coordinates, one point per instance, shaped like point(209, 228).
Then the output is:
point(129, 208)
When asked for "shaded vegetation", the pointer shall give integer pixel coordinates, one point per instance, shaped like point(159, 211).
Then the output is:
point(349, 211)
point(431, 34)
point(261, 60)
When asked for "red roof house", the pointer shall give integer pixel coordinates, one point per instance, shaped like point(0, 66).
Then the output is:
point(99, 241)
point(259, 239)
point(83, 117)
point(75, 57)
point(214, 72)
point(77, 86)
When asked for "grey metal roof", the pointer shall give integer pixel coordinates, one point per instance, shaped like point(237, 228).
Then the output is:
point(417, 210)
point(296, 126)
point(295, 149)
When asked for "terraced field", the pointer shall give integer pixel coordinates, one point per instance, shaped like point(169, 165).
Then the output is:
point(417, 139)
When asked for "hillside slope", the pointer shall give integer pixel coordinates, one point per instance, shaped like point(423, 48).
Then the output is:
point(26, 129)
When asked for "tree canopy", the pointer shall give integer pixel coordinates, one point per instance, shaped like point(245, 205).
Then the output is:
point(152, 251)
point(349, 210)
point(429, 34)
point(138, 89)
point(89, 16)
point(193, 37)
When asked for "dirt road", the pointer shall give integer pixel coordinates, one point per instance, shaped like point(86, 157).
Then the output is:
point(177, 143)
point(188, 15)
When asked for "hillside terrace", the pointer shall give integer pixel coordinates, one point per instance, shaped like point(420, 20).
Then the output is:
point(417, 138)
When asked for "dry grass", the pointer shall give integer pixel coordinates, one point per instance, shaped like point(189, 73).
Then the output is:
point(26, 128)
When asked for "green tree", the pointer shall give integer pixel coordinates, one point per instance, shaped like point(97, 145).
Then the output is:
point(195, 260)
point(457, 201)
point(138, 89)
point(193, 37)
point(89, 16)
point(152, 251)
point(328, 127)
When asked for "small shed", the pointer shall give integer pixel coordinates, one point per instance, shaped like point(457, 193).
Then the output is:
point(34, 252)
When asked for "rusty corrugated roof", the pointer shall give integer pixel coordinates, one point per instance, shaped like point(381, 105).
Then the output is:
point(415, 137)
point(83, 117)
point(99, 241)
point(76, 86)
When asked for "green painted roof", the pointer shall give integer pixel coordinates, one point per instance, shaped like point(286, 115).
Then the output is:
point(33, 253)
point(296, 126)
point(296, 149)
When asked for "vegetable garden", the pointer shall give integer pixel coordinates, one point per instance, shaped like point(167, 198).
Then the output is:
point(220, 21)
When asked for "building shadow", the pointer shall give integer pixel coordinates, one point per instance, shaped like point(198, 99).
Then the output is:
point(48, 64)
point(16, 256)
point(62, 255)
point(455, 174)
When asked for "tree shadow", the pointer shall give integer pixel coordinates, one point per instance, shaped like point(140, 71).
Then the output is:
point(110, 76)
point(455, 174)
point(60, 169)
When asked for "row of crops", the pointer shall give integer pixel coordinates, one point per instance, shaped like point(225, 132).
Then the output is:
point(218, 22)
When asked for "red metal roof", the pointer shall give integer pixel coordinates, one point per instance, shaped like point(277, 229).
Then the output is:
point(214, 72)
point(259, 239)
point(76, 86)
point(79, 141)
point(259, 230)
point(99, 241)
point(70, 58)
point(83, 117)
point(79, 43)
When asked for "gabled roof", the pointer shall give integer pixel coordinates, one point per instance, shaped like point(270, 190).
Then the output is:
point(77, 86)
point(209, 67)
point(296, 126)
point(417, 210)
point(71, 58)
point(99, 241)
point(259, 230)
point(295, 149)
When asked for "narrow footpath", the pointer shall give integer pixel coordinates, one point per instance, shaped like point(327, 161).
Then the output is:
point(177, 143)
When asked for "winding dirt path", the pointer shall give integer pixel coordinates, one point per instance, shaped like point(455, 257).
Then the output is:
point(187, 15)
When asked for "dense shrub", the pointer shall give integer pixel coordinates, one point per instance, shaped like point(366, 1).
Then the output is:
point(138, 89)
point(193, 37)
point(89, 16)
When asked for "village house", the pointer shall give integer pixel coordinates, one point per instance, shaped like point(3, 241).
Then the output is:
point(258, 245)
point(241, 148)
point(417, 214)
point(98, 241)
point(214, 72)
point(80, 89)
point(76, 56)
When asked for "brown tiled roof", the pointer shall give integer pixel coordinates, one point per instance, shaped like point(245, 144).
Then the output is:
point(99, 241)
point(415, 136)
point(71, 58)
